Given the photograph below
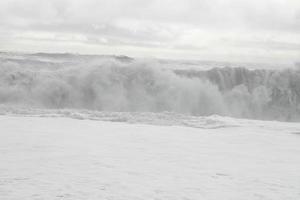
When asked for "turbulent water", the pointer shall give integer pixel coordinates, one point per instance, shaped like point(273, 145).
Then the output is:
point(123, 84)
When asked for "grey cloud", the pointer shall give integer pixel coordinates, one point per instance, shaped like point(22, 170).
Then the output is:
point(155, 23)
point(213, 13)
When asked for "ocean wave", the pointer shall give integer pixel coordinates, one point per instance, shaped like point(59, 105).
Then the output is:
point(122, 84)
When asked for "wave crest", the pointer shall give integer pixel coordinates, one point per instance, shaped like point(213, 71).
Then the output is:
point(111, 84)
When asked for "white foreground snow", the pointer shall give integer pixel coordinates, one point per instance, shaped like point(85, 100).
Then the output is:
point(61, 158)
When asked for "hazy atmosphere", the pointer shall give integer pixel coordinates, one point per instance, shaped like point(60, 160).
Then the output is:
point(149, 99)
point(225, 30)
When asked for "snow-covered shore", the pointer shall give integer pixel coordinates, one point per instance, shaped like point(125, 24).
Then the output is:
point(62, 158)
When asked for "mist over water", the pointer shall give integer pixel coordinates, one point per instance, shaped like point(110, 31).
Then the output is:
point(108, 83)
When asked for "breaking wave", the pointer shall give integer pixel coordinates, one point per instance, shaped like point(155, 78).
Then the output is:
point(121, 84)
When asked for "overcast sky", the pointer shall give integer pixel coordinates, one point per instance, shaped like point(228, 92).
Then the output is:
point(223, 30)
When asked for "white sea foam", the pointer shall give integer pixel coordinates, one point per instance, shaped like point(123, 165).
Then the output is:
point(121, 84)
